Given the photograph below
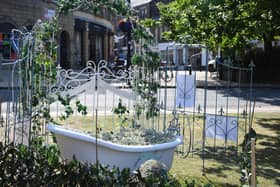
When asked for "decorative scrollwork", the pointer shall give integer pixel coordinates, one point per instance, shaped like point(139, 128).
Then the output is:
point(166, 76)
point(107, 71)
point(69, 79)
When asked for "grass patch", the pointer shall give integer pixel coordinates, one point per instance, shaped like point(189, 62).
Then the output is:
point(222, 168)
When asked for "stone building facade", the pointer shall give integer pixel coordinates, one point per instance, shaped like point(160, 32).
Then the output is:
point(149, 9)
point(82, 36)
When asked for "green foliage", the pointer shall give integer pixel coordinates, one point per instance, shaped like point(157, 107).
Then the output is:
point(149, 23)
point(38, 54)
point(6, 43)
point(146, 63)
point(230, 24)
point(245, 163)
point(81, 108)
point(137, 60)
point(139, 109)
point(196, 183)
point(68, 109)
point(142, 37)
point(150, 60)
point(118, 7)
point(38, 165)
point(22, 165)
point(121, 110)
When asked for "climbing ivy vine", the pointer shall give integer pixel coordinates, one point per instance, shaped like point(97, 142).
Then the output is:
point(37, 71)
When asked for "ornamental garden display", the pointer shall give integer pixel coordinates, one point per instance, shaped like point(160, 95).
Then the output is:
point(99, 147)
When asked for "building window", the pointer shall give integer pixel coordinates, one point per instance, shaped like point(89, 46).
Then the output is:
point(64, 50)
point(7, 47)
point(96, 44)
point(180, 57)
point(99, 48)
point(142, 13)
point(78, 48)
point(160, 33)
point(7, 51)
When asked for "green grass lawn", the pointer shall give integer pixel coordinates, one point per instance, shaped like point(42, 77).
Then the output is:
point(221, 165)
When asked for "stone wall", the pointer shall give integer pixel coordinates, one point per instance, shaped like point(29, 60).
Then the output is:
point(23, 12)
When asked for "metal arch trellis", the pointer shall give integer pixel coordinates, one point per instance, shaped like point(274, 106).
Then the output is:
point(69, 80)
point(181, 129)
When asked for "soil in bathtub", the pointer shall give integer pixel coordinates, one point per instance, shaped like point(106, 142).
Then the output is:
point(124, 135)
point(136, 136)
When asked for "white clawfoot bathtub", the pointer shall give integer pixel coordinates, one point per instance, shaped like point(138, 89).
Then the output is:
point(84, 146)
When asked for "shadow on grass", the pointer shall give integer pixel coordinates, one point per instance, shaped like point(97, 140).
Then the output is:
point(215, 183)
point(267, 153)
point(221, 155)
point(227, 161)
point(219, 171)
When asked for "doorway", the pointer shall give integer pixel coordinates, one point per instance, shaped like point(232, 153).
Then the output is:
point(64, 50)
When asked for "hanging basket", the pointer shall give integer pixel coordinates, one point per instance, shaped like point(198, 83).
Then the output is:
point(125, 26)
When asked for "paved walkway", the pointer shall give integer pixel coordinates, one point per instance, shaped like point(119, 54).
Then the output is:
point(212, 81)
point(6, 77)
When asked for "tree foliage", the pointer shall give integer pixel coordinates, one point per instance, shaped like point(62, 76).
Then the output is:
point(118, 7)
point(228, 23)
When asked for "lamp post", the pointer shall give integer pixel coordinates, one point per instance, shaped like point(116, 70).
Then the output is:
point(126, 27)
point(128, 58)
point(128, 49)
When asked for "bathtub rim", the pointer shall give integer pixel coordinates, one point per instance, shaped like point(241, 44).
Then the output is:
point(72, 133)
